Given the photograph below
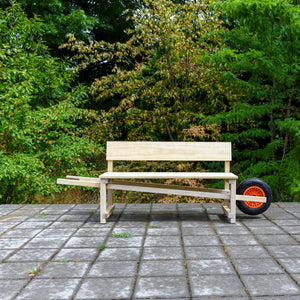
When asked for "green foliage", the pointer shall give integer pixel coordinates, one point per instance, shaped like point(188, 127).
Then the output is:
point(102, 20)
point(161, 77)
point(40, 112)
point(59, 18)
point(122, 235)
point(183, 76)
point(263, 50)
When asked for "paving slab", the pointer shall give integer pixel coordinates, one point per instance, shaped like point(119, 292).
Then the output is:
point(270, 285)
point(216, 285)
point(257, 266)
point(210, 266)
point(47, 289)
point(11, 288)
point(149, 251)
point(162, 268)
point(64, 269)
point(105, 288)
point(76, 254)
point(160, 253)
point(113, 269)
point(27, 255)
point(119, 254)
point(205, 252)
point(244, 252)
point(156, 287)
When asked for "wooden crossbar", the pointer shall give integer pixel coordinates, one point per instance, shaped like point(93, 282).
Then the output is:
point(168, 189)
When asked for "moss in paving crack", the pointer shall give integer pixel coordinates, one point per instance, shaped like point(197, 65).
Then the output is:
point(43, 214)
point(101, 247)
point(63, 260)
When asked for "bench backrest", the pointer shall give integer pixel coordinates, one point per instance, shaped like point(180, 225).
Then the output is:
point(169, 151)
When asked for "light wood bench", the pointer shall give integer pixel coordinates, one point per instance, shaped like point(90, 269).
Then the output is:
point(164, 151)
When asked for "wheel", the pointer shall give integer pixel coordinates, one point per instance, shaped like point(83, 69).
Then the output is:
point(254, 187)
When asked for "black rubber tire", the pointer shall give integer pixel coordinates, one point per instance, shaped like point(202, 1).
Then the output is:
point(254, 182)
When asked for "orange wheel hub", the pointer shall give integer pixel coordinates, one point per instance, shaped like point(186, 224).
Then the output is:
point(254, 191)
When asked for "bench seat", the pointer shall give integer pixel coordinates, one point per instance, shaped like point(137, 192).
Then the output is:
point(168, 175)
point(164, 151)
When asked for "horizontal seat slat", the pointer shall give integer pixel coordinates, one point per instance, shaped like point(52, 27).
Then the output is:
point(168, 175)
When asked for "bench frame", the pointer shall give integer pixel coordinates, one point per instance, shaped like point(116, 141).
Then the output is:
point(164, 151)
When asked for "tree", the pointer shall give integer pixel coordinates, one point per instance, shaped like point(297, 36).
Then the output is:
point(263, 122)
point(162, 77)
point(182, 75)
point(40, 114)
point(101, 20)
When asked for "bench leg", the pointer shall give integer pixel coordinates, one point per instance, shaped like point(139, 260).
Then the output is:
point(226, 187)
point(110, 197)
point(103, 183)
point(232, 200)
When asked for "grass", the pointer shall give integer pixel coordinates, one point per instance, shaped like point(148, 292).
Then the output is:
point(33, 272)
point(121, 235)
point(153, 226)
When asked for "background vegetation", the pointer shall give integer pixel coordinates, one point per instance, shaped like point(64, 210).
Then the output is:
point(75, 74)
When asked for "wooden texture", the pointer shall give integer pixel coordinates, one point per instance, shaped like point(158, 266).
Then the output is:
point(232, 204)
point(110, 168)
point(226, 170)
point(88, 183)
point(251, 198)
point(227, 212)
point(103, 183)
point(167, 175)
point(82, 178)
point(109, 211)
point(168, 189)
point(160, 185)
point(169, 151)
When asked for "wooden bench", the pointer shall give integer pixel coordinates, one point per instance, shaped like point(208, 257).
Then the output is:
point(164, 151)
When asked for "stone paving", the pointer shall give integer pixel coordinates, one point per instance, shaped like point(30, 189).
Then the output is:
point(148, 251)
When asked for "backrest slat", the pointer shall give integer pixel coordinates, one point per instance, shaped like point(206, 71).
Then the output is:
point(169, 151)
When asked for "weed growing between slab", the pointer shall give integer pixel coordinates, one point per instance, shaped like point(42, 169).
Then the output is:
point(34, 272)
point(121, 235)
point(63, 260)
point(43, 214)
point(101, 247)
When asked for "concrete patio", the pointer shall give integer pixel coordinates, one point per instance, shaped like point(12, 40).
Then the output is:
point(148, 251)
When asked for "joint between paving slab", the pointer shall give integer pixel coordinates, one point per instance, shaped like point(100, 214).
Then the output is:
point(269, 252)
point(229, 258)
point(141, 254)
point(184, 257)
point(97, 255)
point(17, 224)
point(54, 254)
point(29, 240)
